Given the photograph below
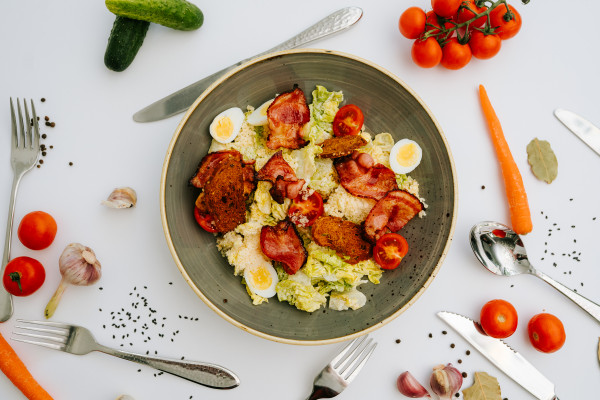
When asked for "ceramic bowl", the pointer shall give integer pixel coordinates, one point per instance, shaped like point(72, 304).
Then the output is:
point(389, 105)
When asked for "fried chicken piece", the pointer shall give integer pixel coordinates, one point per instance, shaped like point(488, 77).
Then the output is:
point(224, 196)
point(345, 237)
point(341, 146)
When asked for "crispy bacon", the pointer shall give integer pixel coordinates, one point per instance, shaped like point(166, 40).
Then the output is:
point(360, 176)
point(281, 243)
point(391, 213)
point(282, 176)
point(345, 237)
point(287, 115)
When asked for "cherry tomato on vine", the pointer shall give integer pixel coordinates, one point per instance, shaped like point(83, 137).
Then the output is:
point(412, 22)
point(507, 24)
point(305, 211)
point(445, 8)
point(205, 221)
point(498, 318)
point(465, 14)
point(348, 121)
point(433, 19)
point(426, 53)
point(484, 46)
point(23, 276)
point(37, 230)
point(546, 332)
point(455, 55)
point(389, 250)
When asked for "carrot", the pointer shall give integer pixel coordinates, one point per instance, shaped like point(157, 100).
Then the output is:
point(15, 370)
point(520, 215)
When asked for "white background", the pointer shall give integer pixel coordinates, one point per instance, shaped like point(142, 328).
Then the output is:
point(54, 49)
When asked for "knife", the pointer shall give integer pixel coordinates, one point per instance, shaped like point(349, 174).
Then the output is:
point(581, 127)
point(179, 101)
point(502, 356)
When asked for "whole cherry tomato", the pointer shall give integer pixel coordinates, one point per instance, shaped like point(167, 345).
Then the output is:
point(498, 318)
point(37, 230)
point(23, 276)
point(426, 53)
point(484, 46)
point(205, 221)
point(445, 8)
point(412, 22)
point(389, 250)
point(465, 14)
point(507, 23)
point(436, 21)
point(348, 121)
point(455, 55)
point(546, 332)
point(305, 211)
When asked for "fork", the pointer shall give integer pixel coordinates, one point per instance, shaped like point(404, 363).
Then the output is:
point(342, 370)
point(78, 340)
point(25, 150)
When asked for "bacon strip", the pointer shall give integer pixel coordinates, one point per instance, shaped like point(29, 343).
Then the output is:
point(345, 237)
point(281, 243)
point(391, 213)
point(282, 176)
point(360, 176)
point(287, 115)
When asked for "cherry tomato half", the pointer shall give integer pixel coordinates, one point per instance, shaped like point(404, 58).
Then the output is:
point(412, 22)
point(546, 332)
point(445, 8)
point(507, 24)
point(426, 53)
point(205, 221)
point(498, 318)
point(305, 211)
point(455, 55)
point(484, 46)
point(348, 121)
point(23, 276)
point(389, 250)
point(465, 14)
point(37, 230)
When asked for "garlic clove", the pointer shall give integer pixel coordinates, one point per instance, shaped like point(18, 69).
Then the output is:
point(445, 381)
point(124, 197)
point(409, 386)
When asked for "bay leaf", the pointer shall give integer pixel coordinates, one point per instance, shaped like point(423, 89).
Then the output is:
point(542, 159)
point(485, 387)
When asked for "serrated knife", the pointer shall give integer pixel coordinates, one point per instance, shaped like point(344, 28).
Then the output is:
point(502, 356)
point(581, 127)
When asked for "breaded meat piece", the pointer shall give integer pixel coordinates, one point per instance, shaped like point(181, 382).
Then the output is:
point(343, 236)
point(224, 196)
point(341, 146)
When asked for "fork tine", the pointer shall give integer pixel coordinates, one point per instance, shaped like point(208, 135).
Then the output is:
point(36, 128)
point(47, 323)
point(351, 358)
point(14, 138)
point(358, 359)
point(61, 339)
point(363, 360)
point(63, 332)
point(347, 351)
point(54, 346)
point(28, 123)
point(21, 126)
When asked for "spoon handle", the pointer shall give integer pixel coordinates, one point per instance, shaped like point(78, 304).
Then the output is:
point(592, 308)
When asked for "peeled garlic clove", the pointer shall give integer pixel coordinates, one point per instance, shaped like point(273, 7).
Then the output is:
point(124, 197)
point(409, 386)
point(445, 381)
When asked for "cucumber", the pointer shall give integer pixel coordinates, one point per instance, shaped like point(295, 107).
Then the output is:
point(126, 38)
point(176, 14)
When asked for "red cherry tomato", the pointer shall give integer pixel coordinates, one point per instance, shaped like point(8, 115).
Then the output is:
point(412, 22)
point(465, 14)
point(348, 121)
point(484, 46)
point(426, 53)
point(305, 211)
point(507, 24)
point(455, 55)
point(546, 332)
point(205, 221)
point(37, 230)
point(23, 276)
point(445, 8)
point(433, 22)
point(389, 250)
point(498, 319)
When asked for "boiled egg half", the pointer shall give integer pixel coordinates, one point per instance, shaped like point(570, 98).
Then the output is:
point(259, 115)
point(261, 279)
point(226, 126)
point(405, 156)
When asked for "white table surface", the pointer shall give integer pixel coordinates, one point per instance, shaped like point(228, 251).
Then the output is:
point(55, 49)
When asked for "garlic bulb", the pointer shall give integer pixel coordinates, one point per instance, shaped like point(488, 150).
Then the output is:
point(124, 197)
point(410, 387)
point(78, 266)
point(445, 381)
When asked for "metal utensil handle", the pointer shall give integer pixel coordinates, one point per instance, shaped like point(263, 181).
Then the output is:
point(592, 308)
point(6, 303)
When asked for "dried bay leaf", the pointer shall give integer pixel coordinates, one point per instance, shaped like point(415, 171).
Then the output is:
point(542, 159)
point(485, 387)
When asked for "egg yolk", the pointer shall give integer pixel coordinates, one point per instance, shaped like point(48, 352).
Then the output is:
point(407, 155)
point(224, 128)
point(261, 278)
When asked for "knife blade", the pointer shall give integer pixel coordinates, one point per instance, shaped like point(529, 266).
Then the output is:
point(180, 100)
point(502, 356)
point(582, 128)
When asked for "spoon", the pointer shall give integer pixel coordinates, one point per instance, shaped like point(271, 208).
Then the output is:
point(502, 252)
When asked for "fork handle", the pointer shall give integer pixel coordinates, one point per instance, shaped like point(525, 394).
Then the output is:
point(206, 374)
